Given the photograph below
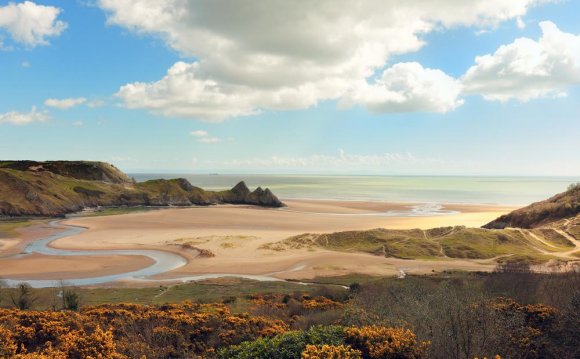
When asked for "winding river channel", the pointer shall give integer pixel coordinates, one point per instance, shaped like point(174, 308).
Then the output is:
point(163, 262)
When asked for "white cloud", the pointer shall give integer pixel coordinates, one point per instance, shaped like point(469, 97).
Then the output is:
point(210, 140)
point(78, 124)
point(25, 64)
point(65, 104)
point(527, 69)
point(340, 161)
point(407, 87)
point(23, 118)
point(254, 55)
point(31, 24)
point(520, 23)
point(95, 103)
point(204, 137)
point(199, 133)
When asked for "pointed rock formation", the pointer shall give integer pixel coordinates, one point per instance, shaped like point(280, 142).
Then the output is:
point(241, 190)
point(240, 194)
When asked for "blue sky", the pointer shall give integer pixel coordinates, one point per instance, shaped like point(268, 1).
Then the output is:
point(91, 81)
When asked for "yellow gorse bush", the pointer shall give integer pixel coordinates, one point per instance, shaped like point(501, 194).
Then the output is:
point(330, 352)
point(382, 342)
point(7, 345)
point(107, 331)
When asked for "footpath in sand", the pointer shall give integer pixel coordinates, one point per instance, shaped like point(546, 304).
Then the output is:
point(234, 234)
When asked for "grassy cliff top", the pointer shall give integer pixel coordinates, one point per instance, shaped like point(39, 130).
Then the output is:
point(83, 170)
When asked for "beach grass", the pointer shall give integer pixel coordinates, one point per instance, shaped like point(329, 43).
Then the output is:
point(528, 259)
point(476, 243)
point(556, 239)
point(346, 280)
point(438, 243)
point(573, 228)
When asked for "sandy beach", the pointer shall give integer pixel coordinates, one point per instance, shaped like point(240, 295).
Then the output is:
point(234, 234)
point(37, 266)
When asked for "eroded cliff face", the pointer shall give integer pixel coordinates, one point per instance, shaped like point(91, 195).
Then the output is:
point(29, 188)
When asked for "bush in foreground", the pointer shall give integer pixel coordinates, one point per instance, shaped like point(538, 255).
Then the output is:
point(330, 352)
point(370, 342)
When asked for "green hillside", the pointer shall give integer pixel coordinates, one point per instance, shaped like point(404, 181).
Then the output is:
point(30, 188)
point(561, 206)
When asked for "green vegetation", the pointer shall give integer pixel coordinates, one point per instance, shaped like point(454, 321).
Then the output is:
point(288, 345)
point(475, 243)
point(407, 244)
point(112, 211)
point(561, 206)
point(83, 170)
point(208, 291)
point(515, 245)
point(574, 230)
point(571, 226)
point(551, 236)
point(528, 259)
point(344, 280)
point(511, 313)
point(56, 188)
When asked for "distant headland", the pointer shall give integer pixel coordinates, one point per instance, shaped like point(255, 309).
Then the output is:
point(56, 188)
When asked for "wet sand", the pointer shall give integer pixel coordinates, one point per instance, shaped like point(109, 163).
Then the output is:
point(37, 266)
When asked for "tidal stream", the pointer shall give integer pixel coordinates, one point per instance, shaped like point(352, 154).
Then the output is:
point(163, 262)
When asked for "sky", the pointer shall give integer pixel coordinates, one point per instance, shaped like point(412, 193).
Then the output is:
point(443, 87)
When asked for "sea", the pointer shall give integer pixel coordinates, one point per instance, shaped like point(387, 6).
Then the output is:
point(512, 191)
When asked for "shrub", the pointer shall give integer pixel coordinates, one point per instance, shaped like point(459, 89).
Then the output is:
point(23, 299)
point(292, 344)
point(330, 352)
point(286, 346)
point(7, 344)
point(382, 342)
point(71, 299)
point(99, 344)
point(179, 330)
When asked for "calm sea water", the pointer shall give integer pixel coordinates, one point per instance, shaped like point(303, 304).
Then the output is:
point(424, 189)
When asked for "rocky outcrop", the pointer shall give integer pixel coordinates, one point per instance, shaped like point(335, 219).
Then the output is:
point(560, 206)
point(241, 190)
point(241, 194)
point(29, 188)
point(264, 197)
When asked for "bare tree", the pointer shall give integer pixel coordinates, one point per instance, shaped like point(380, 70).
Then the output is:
point(457, 317)
point(23, 298)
